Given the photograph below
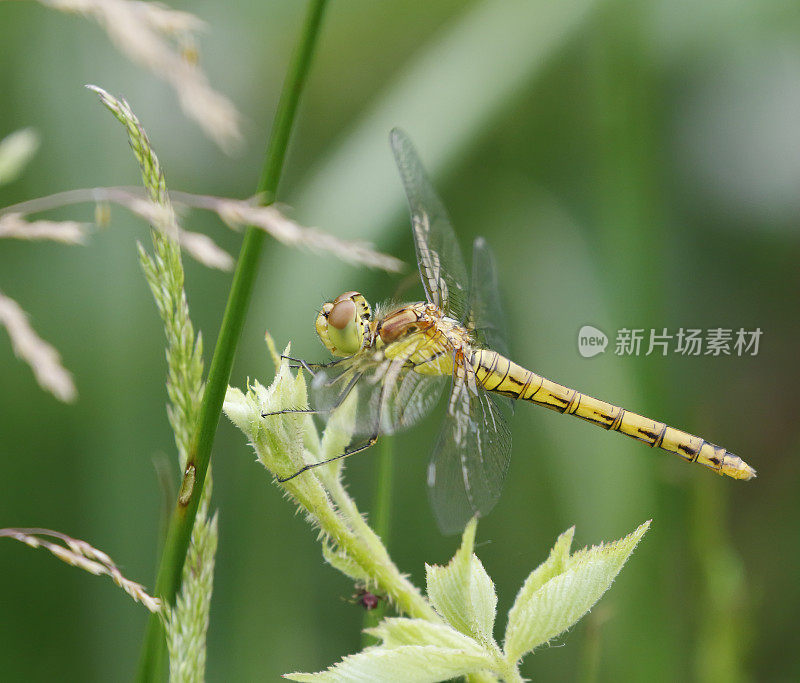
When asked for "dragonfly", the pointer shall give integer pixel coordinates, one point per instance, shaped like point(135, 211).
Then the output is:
point(396, 363)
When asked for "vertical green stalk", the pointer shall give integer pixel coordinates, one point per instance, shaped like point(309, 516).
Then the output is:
point(630, 233)
point(589, 658)
point(722, 634)
point(381, 520)
point(152, 660)
point(381, 515)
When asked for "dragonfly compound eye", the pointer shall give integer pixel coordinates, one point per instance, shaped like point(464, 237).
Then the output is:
point(341, 324)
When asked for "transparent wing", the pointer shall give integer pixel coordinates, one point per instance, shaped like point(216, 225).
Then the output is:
point(469, 463)
point(486, 318)
point(390, 393)
point(441, 265)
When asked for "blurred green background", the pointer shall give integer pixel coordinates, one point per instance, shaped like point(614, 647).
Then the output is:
point(631, 164)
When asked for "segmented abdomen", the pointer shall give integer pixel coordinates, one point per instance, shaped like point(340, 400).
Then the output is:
point(499, 374)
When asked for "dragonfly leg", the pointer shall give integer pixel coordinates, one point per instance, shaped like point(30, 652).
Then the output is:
point(347, 452)
point(288, 411)
point(350, 450)
point(310, 411)
point(300, 363)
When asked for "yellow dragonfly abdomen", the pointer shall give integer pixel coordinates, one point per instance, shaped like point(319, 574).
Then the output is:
point(497, 373)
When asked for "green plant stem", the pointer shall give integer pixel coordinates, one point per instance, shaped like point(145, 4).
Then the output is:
point(381, 521)
point(381, 516)
point(589, 658)
point(152, 660)
point(721, 629)
point(365, 546)
point(377, 564)
point(508, 672)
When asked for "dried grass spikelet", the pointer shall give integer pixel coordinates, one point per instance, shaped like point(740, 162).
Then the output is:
point(84, 556)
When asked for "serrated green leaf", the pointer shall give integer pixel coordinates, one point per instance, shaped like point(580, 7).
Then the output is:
point(406, 664)
point(344, 563)
point(338, 434)
point(462, 591)
point(238, 409)
point(273, 350)
point(561, 601)
point(278, 439)
point(399, 631)
point(482, 677)
point(554, 565)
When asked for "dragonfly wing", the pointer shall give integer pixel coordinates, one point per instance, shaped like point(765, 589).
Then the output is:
point(441, 265)
point(486, 318)
point(390, 395)
point(470, 460)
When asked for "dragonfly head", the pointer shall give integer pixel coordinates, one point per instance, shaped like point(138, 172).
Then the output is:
point(343, 324)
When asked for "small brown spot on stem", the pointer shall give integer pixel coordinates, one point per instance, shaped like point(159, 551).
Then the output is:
point(187, 485)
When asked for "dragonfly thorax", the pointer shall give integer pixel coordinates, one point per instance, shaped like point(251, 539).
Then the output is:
point(409, 321)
